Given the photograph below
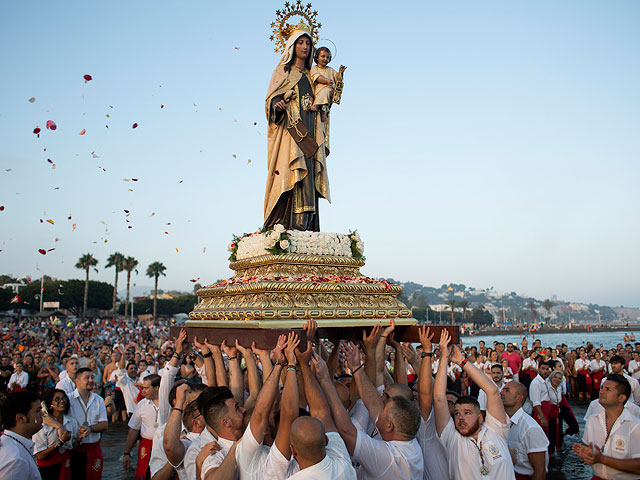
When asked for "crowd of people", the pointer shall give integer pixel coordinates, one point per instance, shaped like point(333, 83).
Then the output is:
point(319, 409)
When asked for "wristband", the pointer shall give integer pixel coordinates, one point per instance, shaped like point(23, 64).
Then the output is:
point(232, 358)
point(292, 368)
point(125, 453)
point(354, 372)
point(207, 355)
point(178, 409)
point(426, 354)
point(463, 363)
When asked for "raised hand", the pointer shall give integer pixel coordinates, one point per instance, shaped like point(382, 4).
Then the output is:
point(204, 349)
point(181, 394)
point(388, 330)
point(244, 351)
point(370, 341)
point(445, 338)
point(230, 351)
point(258, 351)
point(182, 336)
point(311, 327)
point(456, 355)
point(304, 357)
point(321, 366)
point(408, 351)
point(352, 355)
point(290, 350)
point(276, 353)
point(426, 338)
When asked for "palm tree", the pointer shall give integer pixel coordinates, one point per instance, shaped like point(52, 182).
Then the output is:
point(547, 305)
point(155, 270)
point(464, 305)
point(129, 264)
point(452, 303)
point(532, 306)
point(115, 260)
point(85, 262)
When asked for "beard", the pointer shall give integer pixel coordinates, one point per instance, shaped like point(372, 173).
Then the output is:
point(473, 430)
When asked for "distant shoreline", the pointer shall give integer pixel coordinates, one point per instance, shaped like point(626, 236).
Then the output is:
point(578, 329)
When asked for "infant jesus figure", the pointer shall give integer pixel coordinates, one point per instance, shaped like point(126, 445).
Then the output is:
point(323, 77)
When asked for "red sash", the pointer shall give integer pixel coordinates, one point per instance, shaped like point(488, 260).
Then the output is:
point(144, 455)
point(94, 460)
point(587, 377)
point(64, 459)
point(546, 410)
point(520, 476)
point(596, 378)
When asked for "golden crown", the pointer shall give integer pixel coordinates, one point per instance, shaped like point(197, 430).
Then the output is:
point(283, 30)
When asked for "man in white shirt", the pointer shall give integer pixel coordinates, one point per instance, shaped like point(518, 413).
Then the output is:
point(539, 394)
point(396, 454)
point(476, 449)
point(611, 441)
point(126, 382)
point(617, 364)
point(19, 378)
point(497, 376)
point(89, 411)
point(67, 378)
point(634, 365)
point(143, 422)
point(433, 453)
point(528, 443)
point(22, 418)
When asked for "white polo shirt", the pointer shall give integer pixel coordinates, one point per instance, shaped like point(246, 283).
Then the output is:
point(251, 456)
point(433, 454)
point(525, 437)
point(595, 408)
point(393, 460)
point(623, 442)
point(464, 456)
point(145, 418)
point(538, 391)
point(127, 385)
point(91, 414)
point(16, 461)
point(193, 451)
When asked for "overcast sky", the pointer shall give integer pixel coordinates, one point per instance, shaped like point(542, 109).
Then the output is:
point(494, 144)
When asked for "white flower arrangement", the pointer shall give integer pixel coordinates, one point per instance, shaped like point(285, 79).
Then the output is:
point(278, 240)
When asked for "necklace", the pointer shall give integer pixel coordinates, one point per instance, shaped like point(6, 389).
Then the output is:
point(484, 470)
point(19, 443)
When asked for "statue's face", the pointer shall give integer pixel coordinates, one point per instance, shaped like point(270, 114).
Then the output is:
point(303, 47)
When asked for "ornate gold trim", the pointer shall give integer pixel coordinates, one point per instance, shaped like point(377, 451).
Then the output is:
point(307, 287)
point(295, 258)
point(322, 323)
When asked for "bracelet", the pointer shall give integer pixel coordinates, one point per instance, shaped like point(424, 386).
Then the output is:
point(426, 354)
point(354, 372)
point(292, 368)
point(232, 358)
point(207, 355)
point(463, 363)
point(125, 453)
point(178, 409)
point(383, 336)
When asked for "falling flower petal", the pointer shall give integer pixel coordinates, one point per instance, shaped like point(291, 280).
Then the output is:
point(1, 208)
point(93, 154)
point(16, 299)
point(134, 179)
point(135, 125)
point(181, 181)
point(73, 227)
point(126, 179)
point(57, 188)
point(87, 78)
point(194, 280)
point(69, 217)
point(236, 48)
point(41, 221)
point(277, 172)
point(51, 125)
point(169, 223)
point(57, 239)
point(51, 249)
point(82, 132)
point(49, 160)
point(166, 233)
point(42, 251)
point(234, 155)
point(32, 99)
point(130, 190)
point(129, 226)
point(153, 213)
point(126, 211)
point(36, 130)
point(249, 161)
point(176, 250)
point(204, 249)
point(50, 221)
point(161, 106)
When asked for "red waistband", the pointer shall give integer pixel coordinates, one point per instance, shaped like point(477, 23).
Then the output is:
point(89, 446)
point(54, 459)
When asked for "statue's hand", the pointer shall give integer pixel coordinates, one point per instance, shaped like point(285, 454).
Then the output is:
point(280, 106)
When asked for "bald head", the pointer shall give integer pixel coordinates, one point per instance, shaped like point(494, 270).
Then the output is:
point(513, 395)
point(308, 440)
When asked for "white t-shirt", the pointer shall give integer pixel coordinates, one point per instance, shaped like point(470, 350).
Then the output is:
point(250, 456)
point(464, 457)
point(16, 461)
point(145, 418)
point(393, 460)
point(623, 442)
point(92, 413)
point(433, 454)
point(525, 437)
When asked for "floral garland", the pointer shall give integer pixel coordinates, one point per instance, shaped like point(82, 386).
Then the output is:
point(315, 279)
point(277, 240)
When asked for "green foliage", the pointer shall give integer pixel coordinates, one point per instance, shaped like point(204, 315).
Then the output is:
point(156, 269)
point(233, 248)
point(181, 304)
point(6, 294)
point(69, 293)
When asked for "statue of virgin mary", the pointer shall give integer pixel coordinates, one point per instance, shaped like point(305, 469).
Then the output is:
point(296, 141)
